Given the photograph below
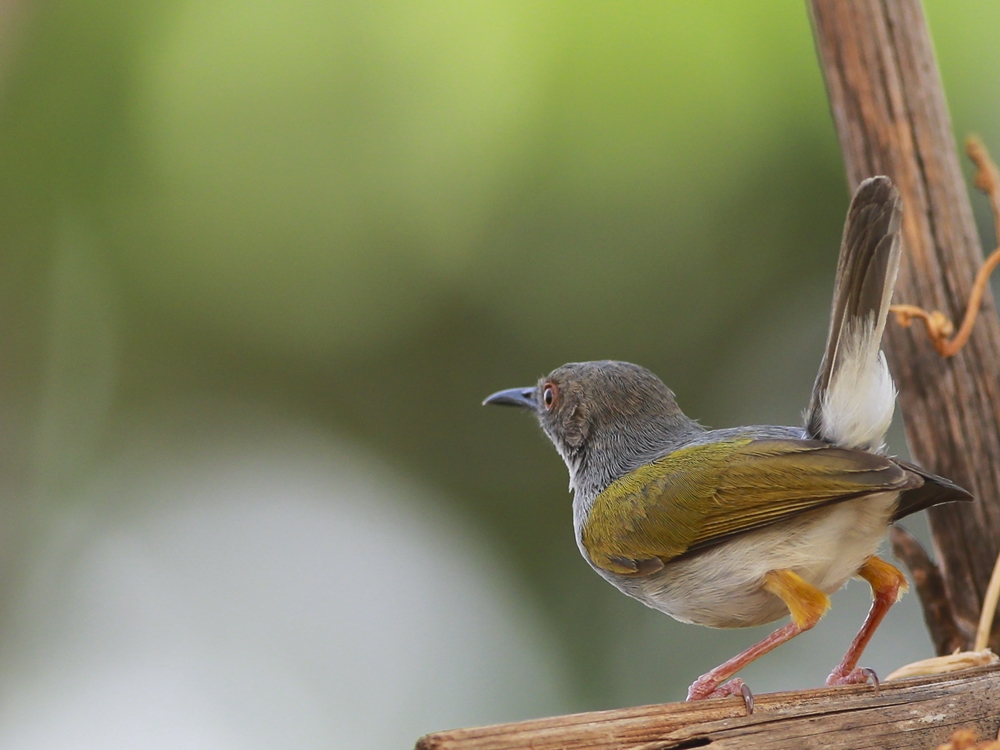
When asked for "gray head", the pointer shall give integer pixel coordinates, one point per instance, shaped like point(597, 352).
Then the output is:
point(605, 418)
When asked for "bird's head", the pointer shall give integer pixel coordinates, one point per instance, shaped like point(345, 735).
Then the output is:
point(605, 418)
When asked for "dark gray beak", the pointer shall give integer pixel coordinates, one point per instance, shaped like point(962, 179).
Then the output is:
point(523, 397)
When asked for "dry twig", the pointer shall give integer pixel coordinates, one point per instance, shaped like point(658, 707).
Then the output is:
point(989, 609)
point(939, 326)
point(967, 739)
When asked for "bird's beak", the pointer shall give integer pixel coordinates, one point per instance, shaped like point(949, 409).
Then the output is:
point(523, 397)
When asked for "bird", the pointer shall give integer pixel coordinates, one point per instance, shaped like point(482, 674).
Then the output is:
point(743, 526)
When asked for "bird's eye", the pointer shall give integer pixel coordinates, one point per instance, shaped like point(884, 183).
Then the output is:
point(549, 395)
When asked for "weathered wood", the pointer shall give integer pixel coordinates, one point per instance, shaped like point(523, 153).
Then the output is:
point(930, 588)
point(890, 113)
point(918, 713)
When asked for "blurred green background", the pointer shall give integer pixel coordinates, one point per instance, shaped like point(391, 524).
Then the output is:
point(262, 261)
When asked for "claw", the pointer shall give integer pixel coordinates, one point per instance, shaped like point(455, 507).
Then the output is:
point(703, 688)
point(870, 675)
point(857, 676)
point(748, 696)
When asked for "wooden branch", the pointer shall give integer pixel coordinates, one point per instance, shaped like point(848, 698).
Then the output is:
point(891, 118)
point(930, 588)
point(918, 713)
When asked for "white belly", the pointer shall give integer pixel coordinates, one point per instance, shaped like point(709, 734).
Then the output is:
point(722, 586)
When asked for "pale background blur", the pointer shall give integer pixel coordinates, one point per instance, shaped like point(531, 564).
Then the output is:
point(260, 263)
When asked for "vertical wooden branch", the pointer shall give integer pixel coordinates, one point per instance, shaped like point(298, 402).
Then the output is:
point(891, 117)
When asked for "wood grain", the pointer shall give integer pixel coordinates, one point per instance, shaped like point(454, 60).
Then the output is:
point(919, 713)
point(891, 118)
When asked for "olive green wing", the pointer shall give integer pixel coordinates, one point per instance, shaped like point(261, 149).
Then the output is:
point(703, 494)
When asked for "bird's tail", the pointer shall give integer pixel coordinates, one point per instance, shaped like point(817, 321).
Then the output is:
point(853, 397)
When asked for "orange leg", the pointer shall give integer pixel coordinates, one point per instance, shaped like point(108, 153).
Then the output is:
point(807, 605)
point(888, 584)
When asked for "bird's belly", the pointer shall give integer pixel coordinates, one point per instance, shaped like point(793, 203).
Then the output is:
point(722, 587)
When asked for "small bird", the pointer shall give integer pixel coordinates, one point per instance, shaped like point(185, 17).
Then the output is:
point(739, 527)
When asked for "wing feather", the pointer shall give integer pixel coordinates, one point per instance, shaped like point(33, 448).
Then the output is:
point(703, 494)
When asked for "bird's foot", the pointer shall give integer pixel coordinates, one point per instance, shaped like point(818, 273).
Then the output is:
point(706, 687)
point(857, 676)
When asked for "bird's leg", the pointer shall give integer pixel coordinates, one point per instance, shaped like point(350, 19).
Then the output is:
point(888, 584)
point(710, 684)
point(806, 604)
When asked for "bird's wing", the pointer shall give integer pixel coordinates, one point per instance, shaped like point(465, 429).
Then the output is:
point(703, 494)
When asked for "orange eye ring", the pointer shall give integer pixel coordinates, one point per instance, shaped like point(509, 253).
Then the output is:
point(550, 394)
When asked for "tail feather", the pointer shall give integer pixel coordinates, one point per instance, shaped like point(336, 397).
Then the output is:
point(853, 397)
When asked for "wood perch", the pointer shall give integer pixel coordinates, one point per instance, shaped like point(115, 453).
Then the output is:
point(920, 713)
